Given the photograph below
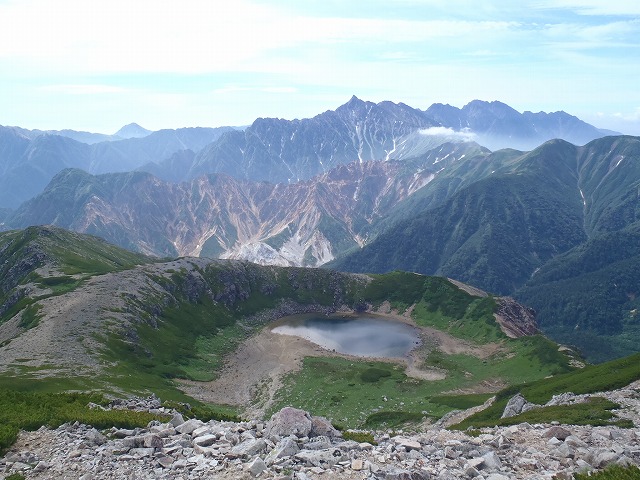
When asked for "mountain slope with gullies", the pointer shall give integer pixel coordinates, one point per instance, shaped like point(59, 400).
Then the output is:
point(277, 150)
point(546, 226)
point(307, 223)
point(78, 313)
point(288, 151)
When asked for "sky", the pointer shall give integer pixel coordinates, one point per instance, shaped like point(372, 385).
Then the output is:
point(97, 65)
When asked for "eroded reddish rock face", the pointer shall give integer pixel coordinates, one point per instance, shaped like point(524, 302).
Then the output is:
point(294, 223)
point(515, 319)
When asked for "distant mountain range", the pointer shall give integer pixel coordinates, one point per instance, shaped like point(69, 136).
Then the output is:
point(497, 125)
point(132, 130)
point(279, 151)
point(274, 150)
point(27, 164)
point(368, 187)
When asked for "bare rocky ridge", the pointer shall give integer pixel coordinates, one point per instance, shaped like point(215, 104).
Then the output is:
point(296, 445)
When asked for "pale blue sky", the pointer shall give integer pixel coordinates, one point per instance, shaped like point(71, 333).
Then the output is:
point(96, 65)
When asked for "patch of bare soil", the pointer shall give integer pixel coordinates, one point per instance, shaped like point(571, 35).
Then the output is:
point(476, 292)
point(452, 346)
point(253, 373)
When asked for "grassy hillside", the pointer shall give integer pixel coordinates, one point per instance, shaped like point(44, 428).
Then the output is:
point(209, 308)
point(556, 227)
point(69, 258)
point(596, 378)
point(493, 234)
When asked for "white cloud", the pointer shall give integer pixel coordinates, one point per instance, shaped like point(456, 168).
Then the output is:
point(216, 63)
point(464, 134)
point(632, 116)
point(194, 36)
point(92, 36)
point(626, 122)
point(237, 88)
point(82, 89)
point(595, 35)
point(593, 7)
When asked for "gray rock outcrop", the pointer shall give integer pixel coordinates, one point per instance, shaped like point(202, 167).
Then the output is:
point(517, 405)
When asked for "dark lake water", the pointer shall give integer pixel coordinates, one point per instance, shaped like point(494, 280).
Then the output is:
point(363, 336)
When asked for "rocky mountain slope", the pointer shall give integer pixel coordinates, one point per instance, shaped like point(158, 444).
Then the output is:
point(307, 223)
point(289, 151)
point(499, 126)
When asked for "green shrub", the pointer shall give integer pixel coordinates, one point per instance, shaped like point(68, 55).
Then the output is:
point(591, 379)
point(8, 436)
point(15, 476)
point(360, 437)
point(613, 472)
point(30, 316)
point(372, 375)
point(203, 412)
point(597, 411)
point(391, 419)
point(30, 411)
point(461, 402)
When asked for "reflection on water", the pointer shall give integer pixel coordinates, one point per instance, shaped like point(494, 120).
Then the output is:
point(360, 336)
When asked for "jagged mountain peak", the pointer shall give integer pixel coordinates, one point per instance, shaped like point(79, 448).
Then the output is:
point(487, 103)
point(132, 130)
point(354, 104)
point(277, 150)
point(354, 101)
point(495, 107)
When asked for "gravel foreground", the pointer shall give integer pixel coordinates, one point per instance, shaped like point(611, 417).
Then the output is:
point(296, 445)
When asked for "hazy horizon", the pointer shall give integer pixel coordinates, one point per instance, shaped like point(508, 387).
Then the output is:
point(96, 66)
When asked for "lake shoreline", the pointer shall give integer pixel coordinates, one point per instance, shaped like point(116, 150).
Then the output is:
point(362, 335)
